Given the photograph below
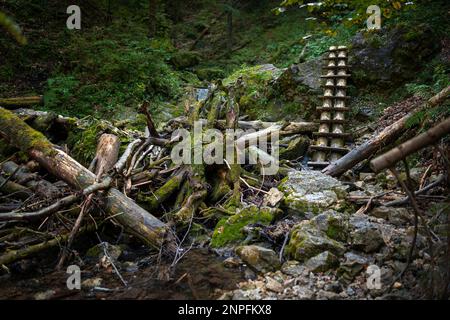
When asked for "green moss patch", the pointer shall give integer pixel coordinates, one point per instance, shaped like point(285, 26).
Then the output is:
point(228, 230)
point(20, 135)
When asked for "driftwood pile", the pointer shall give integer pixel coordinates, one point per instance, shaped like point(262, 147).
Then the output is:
point(51, 198)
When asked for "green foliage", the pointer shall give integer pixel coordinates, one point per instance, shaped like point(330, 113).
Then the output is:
point(340, 34)
point(112, 77)
point(434, 78)
point(60, 89)
point(354, 12)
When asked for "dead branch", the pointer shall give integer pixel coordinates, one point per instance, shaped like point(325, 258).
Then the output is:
point(385, 137)
point(400, 152)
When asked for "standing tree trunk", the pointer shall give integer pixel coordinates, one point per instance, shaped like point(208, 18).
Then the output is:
point(229, 30)
point(152, 23)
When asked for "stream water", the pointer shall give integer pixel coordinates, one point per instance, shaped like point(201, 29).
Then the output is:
point(196, 276)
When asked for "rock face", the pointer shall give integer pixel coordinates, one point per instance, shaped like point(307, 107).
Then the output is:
point(307, 241)
point(307, 73)
point(396, 216)
point(259, 258)
point(391, 56)
point(311, 191)
point(268, 93)
point(352, 266)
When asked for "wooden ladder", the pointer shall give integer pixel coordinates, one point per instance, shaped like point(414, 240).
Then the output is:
point(330, 140)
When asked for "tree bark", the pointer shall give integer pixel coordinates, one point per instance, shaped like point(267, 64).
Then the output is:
point(385, 137)
point(152, 23)
point(124, 210)
point(107, 153)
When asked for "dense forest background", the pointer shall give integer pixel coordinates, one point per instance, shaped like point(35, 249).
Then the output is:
point(126, 52)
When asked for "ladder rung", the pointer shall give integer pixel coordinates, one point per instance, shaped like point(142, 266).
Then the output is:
point(336, 76)
point(335, 58)
point(329, 149)
point(321, 109)
point(338, 49)
point(331, 134)
point(334, 97)
point(336, 67)
point(318, 164)
point(331, 121)
point(334, 86)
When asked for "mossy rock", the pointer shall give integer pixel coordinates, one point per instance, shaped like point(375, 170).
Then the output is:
point(311, 192)
point(259, 258)
point(334, 224)
point(229, 229)
point(390, 57)
point(322, 262)
point(296, 148)
point(307, 241)
point(185, 59)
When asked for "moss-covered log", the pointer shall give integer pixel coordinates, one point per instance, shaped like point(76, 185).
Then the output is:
point(11, 103)
point(125, 211)
point(164, 192)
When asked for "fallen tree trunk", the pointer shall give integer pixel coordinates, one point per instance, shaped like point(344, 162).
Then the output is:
point(22, 176)
point(385, 137)
point(400, 152)
point(124, 210)
point(10, 103)
point(12, 188)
